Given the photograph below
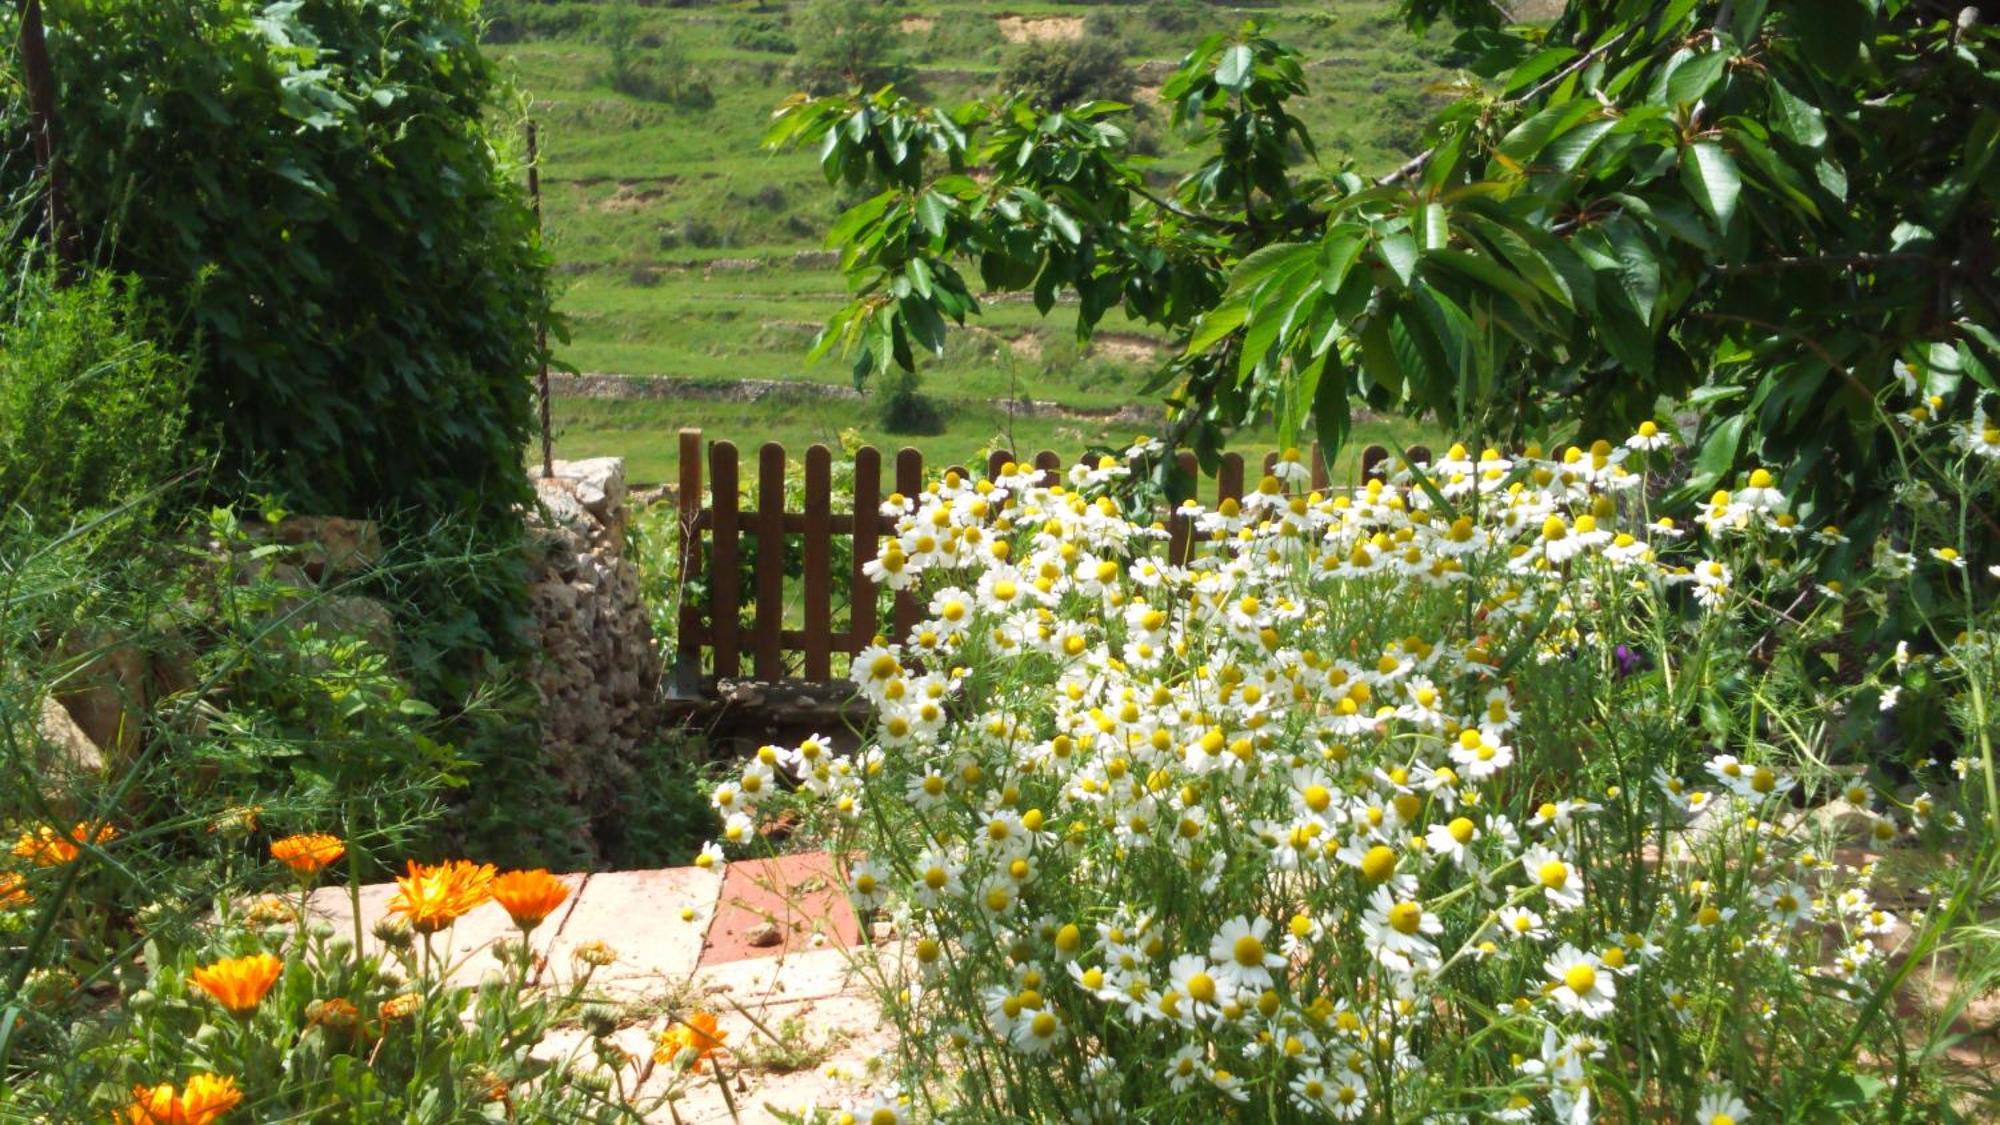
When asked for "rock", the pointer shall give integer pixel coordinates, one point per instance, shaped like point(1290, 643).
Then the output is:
point(107, 695)
point(67, 756)
point(333, 546)
point(764, 935)
point(343, 615)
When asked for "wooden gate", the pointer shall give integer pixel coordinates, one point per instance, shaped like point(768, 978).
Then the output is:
point(714, 522)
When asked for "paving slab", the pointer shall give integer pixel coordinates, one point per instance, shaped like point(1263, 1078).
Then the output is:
point(643, 915)
point(797, 895)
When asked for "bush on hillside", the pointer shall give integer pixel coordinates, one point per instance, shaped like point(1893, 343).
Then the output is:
point(1059, 73)
point(843, 44)
point(92, 407)
point(763, 35)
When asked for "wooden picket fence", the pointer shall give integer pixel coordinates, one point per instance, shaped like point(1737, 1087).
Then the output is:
point(713, 520)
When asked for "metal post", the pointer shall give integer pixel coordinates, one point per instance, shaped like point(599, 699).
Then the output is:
point(541, 329)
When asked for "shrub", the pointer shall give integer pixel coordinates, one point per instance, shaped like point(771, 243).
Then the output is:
point(763, 35)
point(312, 192)
point(1488, 792)
point(845, 43)
point(92, 408)
point(1059, 73)
point(901, 406)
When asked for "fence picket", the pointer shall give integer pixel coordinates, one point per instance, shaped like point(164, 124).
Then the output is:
point(1180, 529)
point(1371, 462)
point(819, 564)
point(867, 505)
point(909, 482)
point(769, 644)
point(724, 594)
point(1229, 479)
point(1049, 465)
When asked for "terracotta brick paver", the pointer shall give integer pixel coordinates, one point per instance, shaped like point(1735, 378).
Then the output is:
point(764, 944)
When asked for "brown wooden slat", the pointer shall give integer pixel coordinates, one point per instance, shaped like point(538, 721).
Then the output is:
point(1229, 479)
point(1319, 469)
point(724, 605)
point(996, 461)
point(1270, 463)
point(867, 503)
point(1420, 455)
point(819, 563)
point(909, 482)
point(1049, 465)
point(958, 469)
point(770, 657)
point(1371, 462)
point(687, 659)
point(1180, 529)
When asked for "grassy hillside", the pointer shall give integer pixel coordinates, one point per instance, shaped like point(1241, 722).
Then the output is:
point(691, 253)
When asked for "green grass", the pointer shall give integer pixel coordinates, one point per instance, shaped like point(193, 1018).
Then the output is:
point(678, 237)
point(646, 433)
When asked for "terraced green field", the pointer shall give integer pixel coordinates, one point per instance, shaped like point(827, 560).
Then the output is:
point(689, 252)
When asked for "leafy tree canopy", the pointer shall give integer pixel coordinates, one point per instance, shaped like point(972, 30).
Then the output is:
point(309, 188)
point(1780, 208)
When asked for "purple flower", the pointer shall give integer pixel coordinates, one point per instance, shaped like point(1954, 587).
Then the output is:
point(1630, 661)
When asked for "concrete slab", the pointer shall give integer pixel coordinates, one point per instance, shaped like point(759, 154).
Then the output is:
point(640, 914)
point(836, 1044)
point(753, 981)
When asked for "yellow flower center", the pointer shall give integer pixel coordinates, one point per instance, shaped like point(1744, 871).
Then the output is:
point(1249, 951)
point(1378, 864)
point(1406, 917)
point(1580, 978)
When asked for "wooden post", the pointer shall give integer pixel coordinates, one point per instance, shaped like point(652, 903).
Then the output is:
point(1319, 469)
point(725, 579)
point(909, 482)
point(1180, 529)
point(768, 636)
point(541, 326)
point(819, 564)
point(686, 677)
point(1371, 462)
point(1229, 479)
point(1049, 466)
point(46, 129)
point(867, 532)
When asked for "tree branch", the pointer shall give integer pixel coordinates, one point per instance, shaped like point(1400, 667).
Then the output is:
point(1415, 163)
point(1774, 264)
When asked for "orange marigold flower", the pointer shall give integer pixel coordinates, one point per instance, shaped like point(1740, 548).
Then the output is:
point(698, 1034)
point(48, 848)
point(239, 983)
point(307, 854)
point(401, 1006)
point(13, 891)
point(335, 1013)
point(205, 1099)
point(434, 896)
point(528, 897)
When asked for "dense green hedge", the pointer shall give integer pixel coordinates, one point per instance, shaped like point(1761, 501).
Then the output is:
point(315, 183)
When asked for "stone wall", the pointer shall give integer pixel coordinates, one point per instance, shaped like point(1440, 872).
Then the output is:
point(598, 673)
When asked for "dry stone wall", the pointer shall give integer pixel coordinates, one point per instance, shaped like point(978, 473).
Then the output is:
point(597, 671)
